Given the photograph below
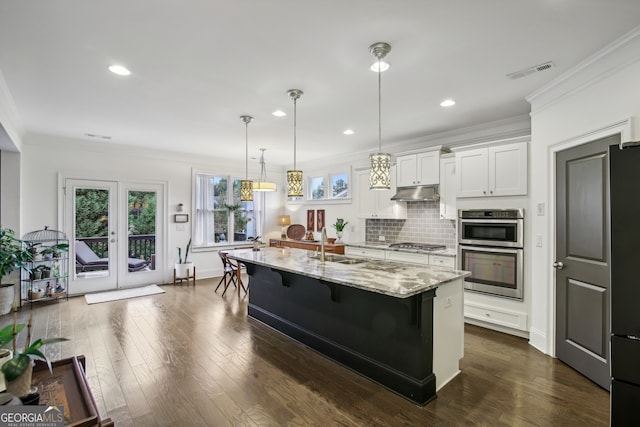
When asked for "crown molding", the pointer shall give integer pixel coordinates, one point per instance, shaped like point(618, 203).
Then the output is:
point(602, 64)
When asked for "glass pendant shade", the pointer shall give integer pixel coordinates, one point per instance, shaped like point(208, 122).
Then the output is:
point(380, 171)
point(294, 183)
point(246, 190)
point(263, 184)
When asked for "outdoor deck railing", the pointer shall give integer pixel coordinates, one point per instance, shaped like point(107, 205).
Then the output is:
point(140, 246)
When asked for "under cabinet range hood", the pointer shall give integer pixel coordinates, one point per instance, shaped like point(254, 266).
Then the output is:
point(419, 193)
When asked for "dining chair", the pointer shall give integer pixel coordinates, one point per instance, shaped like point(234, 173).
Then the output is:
point(230, 273)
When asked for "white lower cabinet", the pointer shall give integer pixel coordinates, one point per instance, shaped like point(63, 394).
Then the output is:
point(496, 315)
point(424, 259)
point(364, 252)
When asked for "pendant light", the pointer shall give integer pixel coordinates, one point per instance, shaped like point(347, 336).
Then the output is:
point(246, 185)
point(294, 176)
point(380, 171)
point(263, 184)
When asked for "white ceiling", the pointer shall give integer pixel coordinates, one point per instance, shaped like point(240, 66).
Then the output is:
point(197, 65)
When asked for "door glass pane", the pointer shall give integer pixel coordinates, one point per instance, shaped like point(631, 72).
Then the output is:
point(141, 226)
point(91, 232)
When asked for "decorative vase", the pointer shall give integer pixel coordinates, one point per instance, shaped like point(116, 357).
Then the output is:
point(5, 355)
point(21, 386)
point(183, 270)
point(339, 234)
point(7, 297)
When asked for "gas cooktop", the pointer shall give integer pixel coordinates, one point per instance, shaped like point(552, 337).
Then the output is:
point(417, 246)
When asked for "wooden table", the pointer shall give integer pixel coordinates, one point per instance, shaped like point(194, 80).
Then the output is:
point(310, 245)
point(68, 387)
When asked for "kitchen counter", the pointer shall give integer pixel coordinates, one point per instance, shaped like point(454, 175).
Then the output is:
point(444, 252)
point(399, 324)
point(396, 279)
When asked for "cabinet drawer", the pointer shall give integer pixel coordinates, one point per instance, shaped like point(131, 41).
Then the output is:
point(442, 261)
point(498, 316)
point(408, 257)
point(365, 252)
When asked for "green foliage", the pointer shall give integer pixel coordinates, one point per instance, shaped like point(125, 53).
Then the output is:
point(186, 253)
point(14, 367)
point(13, 253)
point(92, 212)
point(142, 212)
point(318, 193)
point(340, 224)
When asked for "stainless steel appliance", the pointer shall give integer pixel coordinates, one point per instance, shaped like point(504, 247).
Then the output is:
point(417, 246)
point(490, 246)
point(625, 286)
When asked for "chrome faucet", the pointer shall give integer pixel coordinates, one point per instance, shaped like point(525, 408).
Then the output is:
point(323, 240)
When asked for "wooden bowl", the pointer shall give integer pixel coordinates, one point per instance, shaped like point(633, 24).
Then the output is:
point(331, 239)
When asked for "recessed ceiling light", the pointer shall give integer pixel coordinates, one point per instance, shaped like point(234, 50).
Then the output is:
point(279, 113)
point(384, 66)
point(348, 132)
point(448, 103)
point(93, 135)
point(119, 70)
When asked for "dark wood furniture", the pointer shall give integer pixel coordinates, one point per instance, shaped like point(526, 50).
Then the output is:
point(68, 387)
point(310, 245)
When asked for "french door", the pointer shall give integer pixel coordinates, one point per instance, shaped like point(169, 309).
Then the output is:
point(116, 234)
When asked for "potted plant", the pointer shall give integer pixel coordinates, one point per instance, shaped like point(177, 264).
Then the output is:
point(14, 255)
point(256, 243)
point(17, 371)
point(339, 226)
point(183, 269)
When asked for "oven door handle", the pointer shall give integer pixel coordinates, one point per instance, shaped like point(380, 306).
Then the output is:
point(490, 221)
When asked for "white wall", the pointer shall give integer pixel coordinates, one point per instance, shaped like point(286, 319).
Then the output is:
point(44, 157)
point(582, 106)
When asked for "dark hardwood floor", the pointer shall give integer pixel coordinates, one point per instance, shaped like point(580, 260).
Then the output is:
point(191, 358)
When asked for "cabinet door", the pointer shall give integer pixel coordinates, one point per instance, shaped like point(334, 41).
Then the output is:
point(366, 198)
point(407, 170)
point(387, 208)
point(428, 168)
point(448, 188)
point(471, 173)
point(508, 170)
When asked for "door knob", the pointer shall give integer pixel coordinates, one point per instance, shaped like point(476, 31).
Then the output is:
point(558, 265)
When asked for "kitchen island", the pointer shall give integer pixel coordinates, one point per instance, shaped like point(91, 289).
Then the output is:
point(398, 324)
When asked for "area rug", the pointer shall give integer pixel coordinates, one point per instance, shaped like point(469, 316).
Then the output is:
point(122, 294)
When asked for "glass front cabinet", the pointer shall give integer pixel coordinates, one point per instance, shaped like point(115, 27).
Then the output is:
point(47, 278)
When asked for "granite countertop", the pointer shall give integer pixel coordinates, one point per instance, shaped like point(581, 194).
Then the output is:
point(444, 252)
point(391, 278)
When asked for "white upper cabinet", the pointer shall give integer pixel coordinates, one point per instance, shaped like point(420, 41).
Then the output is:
point(492, 171)
point(378, 203)
point(448, 187)
point(419, 169)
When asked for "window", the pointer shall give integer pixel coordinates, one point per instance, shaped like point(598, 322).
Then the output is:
point(316, 187)
point(329, 187)
point(220, 216)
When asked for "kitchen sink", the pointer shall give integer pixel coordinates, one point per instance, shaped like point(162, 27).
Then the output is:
point(352, 261)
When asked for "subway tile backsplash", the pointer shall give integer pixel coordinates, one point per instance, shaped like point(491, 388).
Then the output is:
point(423, 225)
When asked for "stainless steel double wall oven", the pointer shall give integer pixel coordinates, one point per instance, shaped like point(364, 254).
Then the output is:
point(490, 246)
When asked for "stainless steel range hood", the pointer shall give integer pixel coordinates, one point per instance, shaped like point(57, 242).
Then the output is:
point(419, 193)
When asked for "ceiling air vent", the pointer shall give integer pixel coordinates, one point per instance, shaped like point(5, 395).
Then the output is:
point(530, 70)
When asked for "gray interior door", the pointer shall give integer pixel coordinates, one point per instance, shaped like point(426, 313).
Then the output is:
point(582, 259)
